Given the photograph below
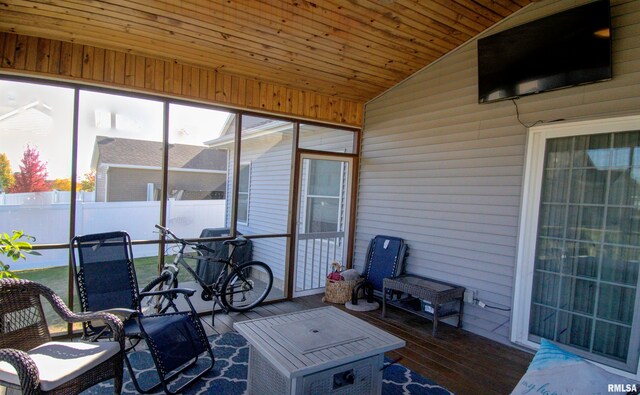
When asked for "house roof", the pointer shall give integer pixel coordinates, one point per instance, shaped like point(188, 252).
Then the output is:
point(143, 153)
point(252, 127)
point(347, 49)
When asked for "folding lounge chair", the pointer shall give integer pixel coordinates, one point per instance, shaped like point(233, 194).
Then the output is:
point(106, 280)
point(385, 259)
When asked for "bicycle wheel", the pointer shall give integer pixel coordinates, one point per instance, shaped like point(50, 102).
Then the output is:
point(166, 280)
point(247, 286)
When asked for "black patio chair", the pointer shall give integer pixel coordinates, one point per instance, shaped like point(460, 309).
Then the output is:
point(385, 259)
point(106, 281)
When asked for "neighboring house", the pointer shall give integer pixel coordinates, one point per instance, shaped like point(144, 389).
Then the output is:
point(130, 170)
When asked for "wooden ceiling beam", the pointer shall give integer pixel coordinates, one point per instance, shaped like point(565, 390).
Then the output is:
point(472, 9)
point(283, 26)
point(55, 59)
point(503, 7)
point(263, 41)
point(139, 28)
point(338, 28)
point(379, 22)
point(106, 37)
point(451, 15)
point(352, 49)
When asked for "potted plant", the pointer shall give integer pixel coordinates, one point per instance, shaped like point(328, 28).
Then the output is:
point(14, 247)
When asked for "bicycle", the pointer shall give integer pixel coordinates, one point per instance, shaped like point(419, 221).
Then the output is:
point(240, 286)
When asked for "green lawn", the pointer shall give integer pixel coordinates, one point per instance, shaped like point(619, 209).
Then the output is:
point(57, 279)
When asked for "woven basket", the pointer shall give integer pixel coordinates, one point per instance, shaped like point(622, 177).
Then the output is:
point(339, 291)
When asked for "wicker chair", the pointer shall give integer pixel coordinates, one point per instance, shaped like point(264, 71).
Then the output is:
point(34, 364)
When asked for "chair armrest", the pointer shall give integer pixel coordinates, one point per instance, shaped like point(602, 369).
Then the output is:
point(121, 313)
point(184, 291)
point(25, 367)
point(113, 322)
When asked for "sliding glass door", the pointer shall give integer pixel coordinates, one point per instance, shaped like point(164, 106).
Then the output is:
point(584, 291)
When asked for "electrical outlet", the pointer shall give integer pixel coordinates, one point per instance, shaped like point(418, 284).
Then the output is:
point(469, 296)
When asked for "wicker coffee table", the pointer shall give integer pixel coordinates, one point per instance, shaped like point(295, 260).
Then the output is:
point(438, 294)
point(318, 351)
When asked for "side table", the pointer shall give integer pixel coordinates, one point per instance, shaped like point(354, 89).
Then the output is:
point(420, 289)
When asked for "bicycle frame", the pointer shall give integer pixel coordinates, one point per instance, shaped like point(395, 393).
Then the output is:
point(209, 291)
point(239, 286)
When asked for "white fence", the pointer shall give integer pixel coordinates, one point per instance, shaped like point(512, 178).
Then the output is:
point(50, 197)
point(49, 223)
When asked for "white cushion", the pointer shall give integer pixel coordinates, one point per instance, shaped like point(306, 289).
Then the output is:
point(59, 362)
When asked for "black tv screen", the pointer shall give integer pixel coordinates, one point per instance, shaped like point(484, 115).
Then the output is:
point(562, 50)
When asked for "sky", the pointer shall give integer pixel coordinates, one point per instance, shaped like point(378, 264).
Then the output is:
point(42, 116)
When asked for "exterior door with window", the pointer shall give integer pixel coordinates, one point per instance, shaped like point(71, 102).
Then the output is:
point(580, 241)
point(322, 220)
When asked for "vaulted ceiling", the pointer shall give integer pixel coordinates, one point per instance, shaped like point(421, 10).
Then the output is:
point(351, 49)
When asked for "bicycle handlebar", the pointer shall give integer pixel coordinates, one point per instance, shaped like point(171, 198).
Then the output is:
point(199, 246)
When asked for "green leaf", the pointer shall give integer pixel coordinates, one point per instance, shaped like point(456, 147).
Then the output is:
point(22, 244)
point(17, 234)
point(14, 248)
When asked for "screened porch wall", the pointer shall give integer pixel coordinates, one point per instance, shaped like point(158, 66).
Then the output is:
point(445, 172)
point(270, 157)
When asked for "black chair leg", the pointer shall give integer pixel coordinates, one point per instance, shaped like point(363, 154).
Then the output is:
point(354, 294)
point(367, 291)
point(132, 374)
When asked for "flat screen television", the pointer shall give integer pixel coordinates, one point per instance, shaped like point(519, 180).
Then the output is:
point(559, 51)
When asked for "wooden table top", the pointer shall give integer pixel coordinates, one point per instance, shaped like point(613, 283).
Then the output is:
point(309, 341)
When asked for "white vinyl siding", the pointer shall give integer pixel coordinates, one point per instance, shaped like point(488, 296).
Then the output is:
point(268, 200)
point(445, 173)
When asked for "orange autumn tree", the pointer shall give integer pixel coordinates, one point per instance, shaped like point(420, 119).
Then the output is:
point(88, 182)
point(61, 184)
point(6, 175)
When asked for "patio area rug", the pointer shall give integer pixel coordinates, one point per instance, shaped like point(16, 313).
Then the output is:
point(229, 376)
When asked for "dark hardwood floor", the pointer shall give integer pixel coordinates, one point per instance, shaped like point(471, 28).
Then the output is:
point(458, 360)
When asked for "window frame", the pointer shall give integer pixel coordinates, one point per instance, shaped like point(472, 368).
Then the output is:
point(308, 197)
point(235, 161)
point(248, 193)
point(530, 205)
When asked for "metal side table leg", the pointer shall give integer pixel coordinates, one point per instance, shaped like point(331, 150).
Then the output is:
point(436, 307)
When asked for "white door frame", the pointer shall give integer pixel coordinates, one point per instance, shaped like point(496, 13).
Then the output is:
point(532, 183)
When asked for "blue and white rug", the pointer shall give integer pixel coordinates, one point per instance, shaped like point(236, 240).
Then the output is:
point(229, 375)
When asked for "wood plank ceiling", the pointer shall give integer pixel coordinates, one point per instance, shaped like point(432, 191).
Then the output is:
point(351, 49)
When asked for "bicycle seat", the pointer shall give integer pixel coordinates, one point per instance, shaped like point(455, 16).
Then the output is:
point(237, 242)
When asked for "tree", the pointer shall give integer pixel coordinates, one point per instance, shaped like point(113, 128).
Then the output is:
point(33, 173)
point(61, 184)
point(88, 182)
point(6, 175)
